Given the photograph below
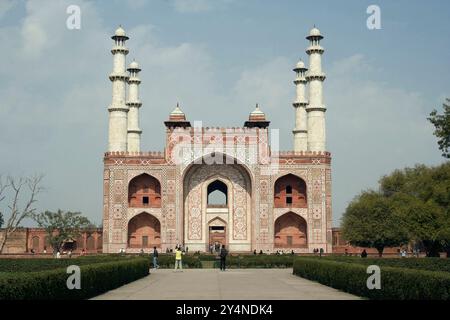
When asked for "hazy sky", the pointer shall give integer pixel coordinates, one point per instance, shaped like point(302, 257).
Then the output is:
point(218, 58)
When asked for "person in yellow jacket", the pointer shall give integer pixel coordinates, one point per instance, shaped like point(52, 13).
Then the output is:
point(178, 258)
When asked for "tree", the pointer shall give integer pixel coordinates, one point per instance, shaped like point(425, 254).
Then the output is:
point(2, 197)
point(421, 198)
point(370, 221)
point(62, 226)
point(441, 123)
point(16, 213)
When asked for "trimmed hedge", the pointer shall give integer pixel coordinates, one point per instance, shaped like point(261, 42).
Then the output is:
point(43, 264)
point(232, 261)
point(430, 264)
point(95, 279)
point(396, 283)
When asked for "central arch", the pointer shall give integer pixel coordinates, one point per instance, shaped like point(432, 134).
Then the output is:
point(232, 179)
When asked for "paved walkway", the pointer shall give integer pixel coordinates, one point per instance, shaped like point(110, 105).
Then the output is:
point(233, 284)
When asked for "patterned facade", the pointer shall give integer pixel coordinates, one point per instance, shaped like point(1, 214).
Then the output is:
point(273, 200)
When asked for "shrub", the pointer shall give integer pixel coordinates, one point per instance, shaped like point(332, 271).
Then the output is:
point(396, 283)
point(430, 264)
point(232, 261)
point(51, 284)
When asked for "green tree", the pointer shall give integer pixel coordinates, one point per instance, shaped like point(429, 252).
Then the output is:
point(370, 221)
point(421, 198)
point(441, 123)
point(62, 226)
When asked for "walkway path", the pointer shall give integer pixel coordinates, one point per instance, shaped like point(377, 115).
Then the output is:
point(233, 284)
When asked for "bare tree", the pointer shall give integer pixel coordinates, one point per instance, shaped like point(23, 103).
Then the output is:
point(18, 187)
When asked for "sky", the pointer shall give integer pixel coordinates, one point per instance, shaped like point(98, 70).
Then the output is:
point(217, 59)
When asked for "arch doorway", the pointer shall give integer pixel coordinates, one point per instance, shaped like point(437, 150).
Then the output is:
point(144, 231)
point(290, 231)
point(217, 234)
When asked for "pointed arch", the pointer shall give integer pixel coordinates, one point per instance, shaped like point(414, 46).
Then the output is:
point(217, 194)
point(290, 191)
point(290, 231)
point(144, 191)
point(144, 231)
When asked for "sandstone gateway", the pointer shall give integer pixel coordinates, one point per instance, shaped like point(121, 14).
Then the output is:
point(265, 199)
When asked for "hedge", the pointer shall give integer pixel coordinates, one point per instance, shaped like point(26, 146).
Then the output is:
point(396, 283)
point(232, 261)
point(430, 264)
point(43, 264)
point(49, 285)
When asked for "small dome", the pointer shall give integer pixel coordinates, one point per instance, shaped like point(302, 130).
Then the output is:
point(177, 111)
point(257, 114)
point(314, 32)
point(134, 65)
point(120, 32)
point(300, 65)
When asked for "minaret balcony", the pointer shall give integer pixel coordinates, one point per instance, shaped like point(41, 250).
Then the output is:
point(316, 76)
point(315, 49)
point(119, 76)
point(136, 104)
point(300, 103)
point(300, 80)
point(119, 49)
point(134, 80)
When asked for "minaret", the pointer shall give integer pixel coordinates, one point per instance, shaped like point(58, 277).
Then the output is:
point(315, 109)
point(301, 126)
point(134, 133)
point(118, 124)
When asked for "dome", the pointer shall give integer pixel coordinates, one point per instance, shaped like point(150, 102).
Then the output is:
point(314, 32)
point(177, 114)
point(300, 65)
point(120, 32)
point(134, 65)
point(257, 114)
point(177, 111)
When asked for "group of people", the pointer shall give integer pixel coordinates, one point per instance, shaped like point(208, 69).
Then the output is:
point(179, 252)
point(318, 251)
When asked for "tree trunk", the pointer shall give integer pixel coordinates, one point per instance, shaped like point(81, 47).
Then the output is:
point(432, 248)
point(4, 241)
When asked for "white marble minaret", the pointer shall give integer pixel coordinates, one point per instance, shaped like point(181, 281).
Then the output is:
point(301, 125)
point(315, 109)
point(118, 110)
point(134, 132)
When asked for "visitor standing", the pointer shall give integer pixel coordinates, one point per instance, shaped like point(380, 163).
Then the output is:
point(223, 256)
point(321, 252)
point(155, 258)
point(58, 255)
point(178, 262)
point(364, 254)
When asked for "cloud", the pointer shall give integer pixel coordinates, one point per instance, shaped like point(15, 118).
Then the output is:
point(5, 6)
point(192, 6)
point(55, 93)
point(373, 127)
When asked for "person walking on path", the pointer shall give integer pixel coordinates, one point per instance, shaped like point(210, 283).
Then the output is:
point(178, 263)
point(155, 258)
point(223, 256)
